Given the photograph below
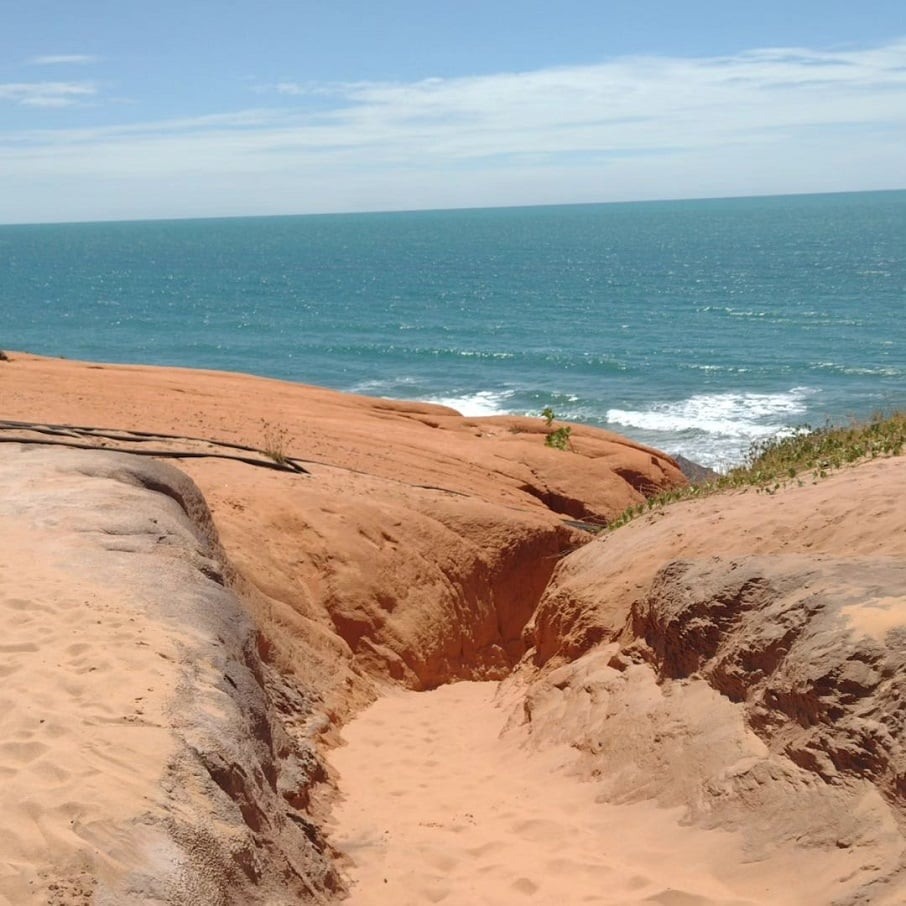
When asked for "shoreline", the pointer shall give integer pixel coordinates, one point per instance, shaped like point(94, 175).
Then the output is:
point(716, 428)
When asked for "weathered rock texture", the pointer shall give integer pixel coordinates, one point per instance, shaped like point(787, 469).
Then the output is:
point(743, 658)
point(147, 752)
point(814, 648)
point(857, 512)
point(415, 545)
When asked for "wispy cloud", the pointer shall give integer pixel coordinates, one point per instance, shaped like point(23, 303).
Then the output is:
point(64, 59)
point(768, 120)
point(47, 94)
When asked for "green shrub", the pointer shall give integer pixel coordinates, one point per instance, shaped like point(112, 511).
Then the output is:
point(559, 438)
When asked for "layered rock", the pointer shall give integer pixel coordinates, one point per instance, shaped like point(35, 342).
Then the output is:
point(414, 544)
point(743, 658)
point(813, 648)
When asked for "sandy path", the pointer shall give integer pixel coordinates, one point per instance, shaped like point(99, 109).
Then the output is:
point(438, 807)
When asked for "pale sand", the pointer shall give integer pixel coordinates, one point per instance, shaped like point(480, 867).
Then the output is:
point(131, 713)
point(438, 807)
point(86, 675)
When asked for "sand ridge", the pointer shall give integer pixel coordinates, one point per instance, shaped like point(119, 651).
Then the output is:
point(128, 705)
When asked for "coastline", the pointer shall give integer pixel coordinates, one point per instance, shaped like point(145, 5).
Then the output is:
point(414, 547)
point(694, 329)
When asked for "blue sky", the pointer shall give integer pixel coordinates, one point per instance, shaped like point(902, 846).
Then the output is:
point(113, 110)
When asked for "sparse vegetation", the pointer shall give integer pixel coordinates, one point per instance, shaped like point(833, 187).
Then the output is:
point(558, 438)
point(778, 461)
point(276, 440)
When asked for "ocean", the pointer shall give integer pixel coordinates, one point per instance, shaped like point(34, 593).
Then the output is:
point(699, 327)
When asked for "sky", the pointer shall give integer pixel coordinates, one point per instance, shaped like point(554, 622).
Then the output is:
point(120, 109)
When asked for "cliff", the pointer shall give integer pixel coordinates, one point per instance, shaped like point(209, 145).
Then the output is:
point(736, 660)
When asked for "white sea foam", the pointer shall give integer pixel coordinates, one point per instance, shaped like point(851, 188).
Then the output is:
point(839, 368)
point(729, 414)
point(391, 388)
point(484, 402)
point(715, 429)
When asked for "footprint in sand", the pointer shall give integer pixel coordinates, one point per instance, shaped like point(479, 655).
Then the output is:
point(19, 648)
point(525, 886)
point(21, 752)
point(486, 849)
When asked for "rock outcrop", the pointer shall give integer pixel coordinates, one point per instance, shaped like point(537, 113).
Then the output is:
point(149, 755)
point(814, 649)
point(415, 543)
point(743, 658)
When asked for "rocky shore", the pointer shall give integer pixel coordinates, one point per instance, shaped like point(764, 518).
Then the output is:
point(186, 640)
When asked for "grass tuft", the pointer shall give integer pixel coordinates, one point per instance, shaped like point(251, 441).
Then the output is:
point(275, 441)
point(559, 438)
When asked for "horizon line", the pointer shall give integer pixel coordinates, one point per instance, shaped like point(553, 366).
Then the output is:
point(431, 210)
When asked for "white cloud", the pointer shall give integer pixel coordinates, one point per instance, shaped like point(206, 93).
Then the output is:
point(46, 94)
point(765, 121)
point(71, 59)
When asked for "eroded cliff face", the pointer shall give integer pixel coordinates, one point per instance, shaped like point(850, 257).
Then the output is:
point(853, 513)
point(814, 648)
point(413, 544)
point(743, 658)
point(739, 657)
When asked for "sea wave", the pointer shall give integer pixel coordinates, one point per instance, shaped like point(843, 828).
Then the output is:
point(729, 414)
point(716, 429)
point(863, 371)
point(484, 402)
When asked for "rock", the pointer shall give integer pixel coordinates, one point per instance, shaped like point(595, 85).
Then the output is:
point(158, 758)
point(417, 544)
point(814, 648)
point(742, 657)
point(855, 512)
point(695, 473)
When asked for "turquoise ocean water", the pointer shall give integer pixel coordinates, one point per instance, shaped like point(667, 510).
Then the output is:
point(695, 326)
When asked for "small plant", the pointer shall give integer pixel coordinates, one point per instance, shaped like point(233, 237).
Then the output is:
point(557, 439)
point(276, 441)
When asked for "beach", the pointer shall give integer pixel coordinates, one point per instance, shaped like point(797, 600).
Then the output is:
point(271, 643)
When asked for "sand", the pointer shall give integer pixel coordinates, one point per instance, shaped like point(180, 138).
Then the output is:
point(128, 695)
point(85, 678)
point(440, 805)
